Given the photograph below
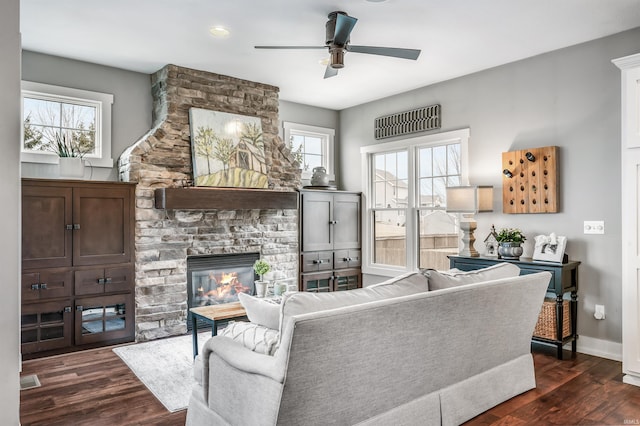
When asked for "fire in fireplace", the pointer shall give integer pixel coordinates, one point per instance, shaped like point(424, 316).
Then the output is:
point(218, 278)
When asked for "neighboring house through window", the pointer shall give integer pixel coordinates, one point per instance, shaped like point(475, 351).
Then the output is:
point(407, 226)
point(312, 146)
point(80, 116)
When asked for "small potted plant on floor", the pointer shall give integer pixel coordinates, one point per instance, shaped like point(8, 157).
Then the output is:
point(261, 267)
point(510, 243)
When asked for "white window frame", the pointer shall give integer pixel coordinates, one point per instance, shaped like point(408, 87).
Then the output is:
point(101, 101)
point(325, 133)
point(411, 225)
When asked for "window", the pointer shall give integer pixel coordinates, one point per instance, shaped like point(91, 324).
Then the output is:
point(312, 145)
point(82, 117)
point(406, 219)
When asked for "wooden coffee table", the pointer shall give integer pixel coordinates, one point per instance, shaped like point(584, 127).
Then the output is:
point(214, 315)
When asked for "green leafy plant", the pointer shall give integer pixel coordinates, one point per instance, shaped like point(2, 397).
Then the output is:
point(510, 235)
point(64, 147)
point(261, 267)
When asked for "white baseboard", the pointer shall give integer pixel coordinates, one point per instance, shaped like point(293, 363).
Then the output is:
point(598, 347)
point(631, 380)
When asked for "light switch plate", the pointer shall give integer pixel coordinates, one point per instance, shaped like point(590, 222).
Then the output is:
point(594, 226)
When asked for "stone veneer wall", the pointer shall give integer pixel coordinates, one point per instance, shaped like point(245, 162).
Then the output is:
point(162, 158)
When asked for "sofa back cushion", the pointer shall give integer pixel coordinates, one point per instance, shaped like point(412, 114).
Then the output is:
point(304, 302)
point(447, 279)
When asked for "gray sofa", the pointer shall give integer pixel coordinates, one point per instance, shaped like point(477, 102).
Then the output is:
point(394, 353)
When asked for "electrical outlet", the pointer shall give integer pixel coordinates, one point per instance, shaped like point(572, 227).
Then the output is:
point(599, 313)
point(594, 226)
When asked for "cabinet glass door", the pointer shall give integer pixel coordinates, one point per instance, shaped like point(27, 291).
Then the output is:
point(45, 326)
point(103, 318)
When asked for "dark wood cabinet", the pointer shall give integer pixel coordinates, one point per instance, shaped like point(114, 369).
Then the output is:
point(47, 226)
point(77, 241)
point(330, 240)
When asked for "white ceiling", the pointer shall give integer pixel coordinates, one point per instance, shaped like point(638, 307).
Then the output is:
point(457, 37)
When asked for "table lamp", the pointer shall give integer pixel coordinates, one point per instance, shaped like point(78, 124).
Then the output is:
point(469, 200)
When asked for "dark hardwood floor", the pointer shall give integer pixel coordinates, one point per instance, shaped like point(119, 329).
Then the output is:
point(96, 388)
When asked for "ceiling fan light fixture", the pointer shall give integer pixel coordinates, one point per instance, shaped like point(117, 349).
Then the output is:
point(337, 58)
point(219, 32)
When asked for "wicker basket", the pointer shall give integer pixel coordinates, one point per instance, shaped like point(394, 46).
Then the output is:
point(546, 326)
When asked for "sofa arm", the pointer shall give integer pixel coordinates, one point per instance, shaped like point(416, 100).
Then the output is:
point(229, 368)
point(240, 358)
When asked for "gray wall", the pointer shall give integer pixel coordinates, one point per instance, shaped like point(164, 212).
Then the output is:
point(10, 213)
point(132, 104)
point(569, 98)
point(131, 111)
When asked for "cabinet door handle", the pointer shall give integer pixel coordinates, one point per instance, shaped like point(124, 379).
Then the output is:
point(67, 308)
point(333, 222)
point(107, 281)
point(43, 286)
point(68, 227)
point(79, 308)
point(345, 259)
point(35, 286)
point(100, 280)
point(76, 226)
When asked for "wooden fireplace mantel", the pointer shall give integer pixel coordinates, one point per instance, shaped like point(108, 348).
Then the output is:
point(198, 198)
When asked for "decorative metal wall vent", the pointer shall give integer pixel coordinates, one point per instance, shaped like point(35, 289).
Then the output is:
point(403, 123)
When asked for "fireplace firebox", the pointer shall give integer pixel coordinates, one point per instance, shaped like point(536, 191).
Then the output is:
point(218, 278)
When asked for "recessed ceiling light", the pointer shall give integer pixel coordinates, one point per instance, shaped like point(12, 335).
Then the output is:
point(376, 1)
point(219, 31)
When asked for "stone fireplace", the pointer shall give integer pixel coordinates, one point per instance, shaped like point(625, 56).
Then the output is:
point(166, 237)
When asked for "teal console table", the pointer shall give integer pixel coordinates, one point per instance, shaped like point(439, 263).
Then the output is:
point(564, 279)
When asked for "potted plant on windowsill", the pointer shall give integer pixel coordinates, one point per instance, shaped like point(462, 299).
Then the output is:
point(510, 243)
point(261, 267)
point(69, 156)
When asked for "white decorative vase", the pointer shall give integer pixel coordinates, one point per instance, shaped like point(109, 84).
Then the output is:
point(71, 167)
point(261, 288)
point(320, 177)
point(510, 251)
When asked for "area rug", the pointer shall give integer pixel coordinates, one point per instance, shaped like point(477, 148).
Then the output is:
point(165, 366)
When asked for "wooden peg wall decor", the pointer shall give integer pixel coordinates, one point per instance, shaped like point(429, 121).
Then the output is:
point(530, 180)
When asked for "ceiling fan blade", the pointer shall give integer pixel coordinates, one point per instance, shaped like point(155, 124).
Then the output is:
point(330, 72)
point(344, 25)
point(386, 51)
point(290, 47)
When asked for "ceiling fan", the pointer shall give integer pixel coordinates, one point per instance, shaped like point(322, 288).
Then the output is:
point(338, 30)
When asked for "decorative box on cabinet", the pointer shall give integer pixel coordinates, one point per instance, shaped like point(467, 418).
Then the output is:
point(564, 279)
point(330, 240)
point(76, 241)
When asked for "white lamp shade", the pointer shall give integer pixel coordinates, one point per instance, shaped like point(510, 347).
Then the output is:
point(469, 199)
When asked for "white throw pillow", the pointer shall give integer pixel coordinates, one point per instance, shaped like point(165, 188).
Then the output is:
point(252, 336)
point(261, 311)
point(441, 279)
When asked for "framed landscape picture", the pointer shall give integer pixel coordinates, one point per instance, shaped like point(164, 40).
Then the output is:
point(227, 149)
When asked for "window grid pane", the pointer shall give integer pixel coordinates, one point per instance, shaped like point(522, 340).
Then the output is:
point(437, 167)
point(310, 149)
point(45, 119)
point(389, 236)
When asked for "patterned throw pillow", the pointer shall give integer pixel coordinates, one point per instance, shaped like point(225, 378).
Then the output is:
point(252, 336)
